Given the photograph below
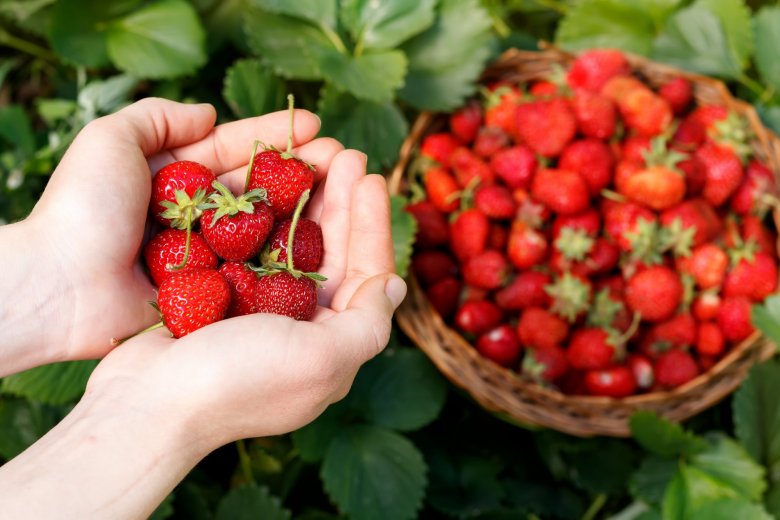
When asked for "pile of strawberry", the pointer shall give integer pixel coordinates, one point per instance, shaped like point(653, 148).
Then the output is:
point(218, 255)
point(593, 233)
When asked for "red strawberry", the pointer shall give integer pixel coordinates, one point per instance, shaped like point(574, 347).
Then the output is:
point(192, 299)
point(168, 248)
point(498, 238)
point(430, 266)
point(241, 281)
point(697, 214)
point(592, 69)
point(723, 172)
point(187, 177)
point(282, 293)
point(487, 270)
point(439, 147)
point(678, 92)
point(527, 247)
point(544, 88)
point(705, 306)
point(571, 296)
point(501, 107)
point(469, 233)
point(602, 258)
point(710, 340)
point(634, 148)
point(707, 264)
point(473, 294)
point(690, 134)
point(478, 317)
point(621, 220)
point(465, 122)
point(515, 166)
point(642, 369)
point(734, 318)
point(307, 244)
point(709, 115)
point(442, 189)
point(443, 296)
point(526, 290)
point(236, 228)
point(432, 228)
point(496, 202)
point(563, 191)
point(588, 221)
point(539, 328)
point(615, 382)
point(679, 331)
point(489, 141)
point(470, 169)
point(753, 228)
point(657, 187)
point(755, 278)
point(755, 192)
point(643, 111)
point(590, 158)
point(654, 292)
point(694, 176)
point(595, 348)
point(500, 345)
point(595, 114)
point(545, 364)
point(546, 126)
point(674, 368)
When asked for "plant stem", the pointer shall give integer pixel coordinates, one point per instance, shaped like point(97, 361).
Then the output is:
point(752, 85)
point(116, 342)
point(500, 26)
point(291, 109)
point(291, 234)
point(251, 164)
point(334, 39)
point(9, 40)
point(245, 461)
point(595, 507)
point(186, 244)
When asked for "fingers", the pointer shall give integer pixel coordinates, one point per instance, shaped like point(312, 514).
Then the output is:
point(370, 250)
point(228, 146)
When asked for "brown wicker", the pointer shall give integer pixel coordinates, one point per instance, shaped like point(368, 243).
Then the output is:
point(504, 391)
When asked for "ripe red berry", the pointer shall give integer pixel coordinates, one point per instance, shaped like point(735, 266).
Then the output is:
point(539, 328)
point(192, 299)
point(284, 294)
point(526, 290)
point(592, 69)
point(654, 292)
point(242, 281)
point(478, 317)
point(185, 176)
point(615, 382)
point(734, 318)
point(307, 244)
point(675, 367)
point(500, 345)
point(167, 249)
point(710, 341)
point(486, 270)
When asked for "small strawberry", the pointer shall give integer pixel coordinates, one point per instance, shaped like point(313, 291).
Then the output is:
point(439, 147)
point(753, 229)
point(443, 296)
point(675, 367)
point(487, 270)
point(539, 328)
point(659, 185)
point(527, 247)
point(515, 166)
point(690, 133)
point(678, 92)
point(191, 299)
point(565, 192)
point(501, 102)
point(442, 189)
point(489, 141)
point(757, 193)
point(571, 296)
point(596, 115)
point(588, 221)
point(546, 126)
point(753, 276)
point(241, 281)
point(614, 382)
point(697, 214)
point(545, 364)
point(642, 368)
point(635, 147)
point(592, 160)
point(526, 290)
point(734, 318)
point(282, 293)
point(177, 209)
point(707, 264)
point(307, 250)
point(283, 176)
point(429, 266)
point(723, 172)
point(500, 345)
point(478, 317)
point(678, 331)
point(706, 305)
point(654, 292)
point(643, 111)
point(595, 348)
point(592, 69)
point(496, 202)
point(465, 122)
point(621, 220)
point(469, 233)
point(470, 170)
point(168, 249)
point(710, 340)
point(432, 228)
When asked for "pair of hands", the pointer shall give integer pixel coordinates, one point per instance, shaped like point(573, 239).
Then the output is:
point(243, 377)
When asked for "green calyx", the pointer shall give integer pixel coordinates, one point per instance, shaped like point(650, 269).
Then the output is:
point(735, 133)
point(745, 250)
point(604, 310)
point(646, 242)
point(574, 244)
point(571, 296)
point(185, 210)
point(660, 155)
point(229, 205)
point(619, 339)
point(677, 238)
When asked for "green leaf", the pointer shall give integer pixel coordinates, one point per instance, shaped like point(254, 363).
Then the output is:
point(54, 110)
point(374, 77)
point(606, 23)
point(446, 60)
point(377, 129)
point(650, 480)
point(251, 89)
point(730, 509)
point(757, 414)
point(59, 383)
point(385, 25)
point(702, 488)
point(663, 437)
point(5, 68)
point(164, 39)
point(404, 231)
point(766, 29)
point(251, 502)
point(770, 116)
point(729, 463)
point(766, 317)
point(23, 422)
point(593, 472)
point(317, 11)
point(312, 441)
point(772, 499)
point(374, 474)
point(101, 97)
point(675, 498)
point(735, 17)
point(658, 10)
point(695, 39)
point(15, 128)
point(399, 389)
point(461, 483)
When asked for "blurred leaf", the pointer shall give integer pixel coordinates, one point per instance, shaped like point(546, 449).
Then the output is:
point(312, 441)
point(164, 39)
point(766, 316)
point(22, 10)
point(729, 463)
point(757, 413)
point(15, 128)
point(770, 116)
point(373, 77)
point(446, 60)
point(675, 498)
point(251, 89)
point(606, 23)
point(730, 509)
point(694, 39)
point(735, 17)
point(766, 27)
point(399, 389)
point(225, 23)
point(663, 437)
point(772, 498)
point(59, 383)
point(251, 502)
point(54, 110)
point(101, 97)
point(593, 472)
point(164, 510)
point(317, 11)
point(377, 129)
point(23, 422)
point(374, 474)
point(404, 231)
point(658, 10)
point(652, 477)
point(653, 514)
point(385, 25)
point(5, 68)
point(464, 486)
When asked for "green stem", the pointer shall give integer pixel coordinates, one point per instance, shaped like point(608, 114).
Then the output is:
point(9, 40)
point(595, 507)
point(186, 244)
point(752, 85)
point(116, 342)
point(334, 38)
point(500, 26)
point(291, 234)
point(245, 461)
point(251, 164)
point(291, 109)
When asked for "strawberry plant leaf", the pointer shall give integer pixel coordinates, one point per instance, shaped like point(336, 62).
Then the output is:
point(650, 480)
point(224, 23)
point(735, 17)
point(373, 473)
point(101, 97)
point(663, 437)
point(729, 464)
point(317, 11)
point(446, 60)
point(694, 39)
point(691, 489)
point(312, 440)
point(675, 498)
point(251, 89)
point(22, 422)
point(385, 25)
point(658, 10)
point(16, 129)
point(162, 40)
point(373, 77)
point(399, 389)
point(730, 509)
point(378, 129)
point(606, 23)
point(766, 27)
point(463, 483)
point(766, 317)
point(54, 384)
point(404, 231)
point(249, 502)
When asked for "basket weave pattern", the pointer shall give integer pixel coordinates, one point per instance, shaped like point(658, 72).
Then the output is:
point(507, 392)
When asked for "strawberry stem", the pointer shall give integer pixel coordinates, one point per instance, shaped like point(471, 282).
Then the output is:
point(116, 342)
point(251, 164)
point(176, 267)
point(291, 108)
point(291, 234)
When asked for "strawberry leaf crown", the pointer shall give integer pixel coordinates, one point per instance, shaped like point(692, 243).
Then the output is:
point(229, 205)
point(604, 310)
point(185, 210)
point(574, 243)
point(659, 155)
point(734, 132)
point(571, 296)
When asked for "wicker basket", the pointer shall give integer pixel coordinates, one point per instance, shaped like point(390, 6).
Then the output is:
point(503, 391)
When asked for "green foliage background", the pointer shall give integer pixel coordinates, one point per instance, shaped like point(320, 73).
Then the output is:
point(404, 443)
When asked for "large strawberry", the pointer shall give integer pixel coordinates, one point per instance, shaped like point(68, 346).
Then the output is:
point(563, 191)
point(596, 115)
point(723, 172)
point(527, 246)
point(753, 276)
point(674, 368)
point(526, 290)
point(439, 147)
point(617, 381)
point(593, 68)
point(546, 126)
point(442, 189)
point(515, 166)
point(469, 234)
point(658, 185)
point(478, 317)
point(590, 158)
point(168, 249)
point(191, 299)
point(500, 345)
point(654, 292)
point(539, 328)
point(283, 176)
point(177, 189)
